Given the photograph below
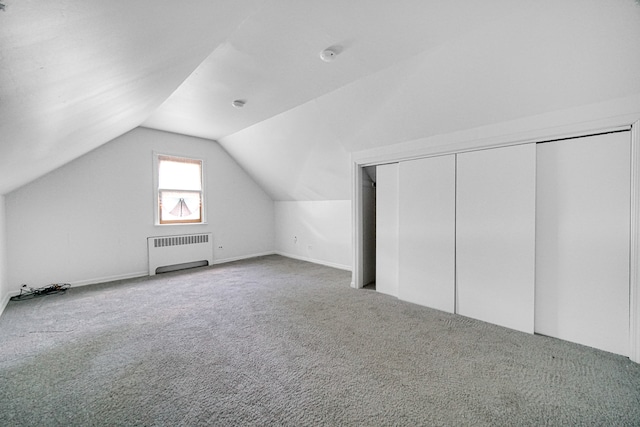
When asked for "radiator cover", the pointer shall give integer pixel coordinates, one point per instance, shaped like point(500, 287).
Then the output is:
point(167, 251)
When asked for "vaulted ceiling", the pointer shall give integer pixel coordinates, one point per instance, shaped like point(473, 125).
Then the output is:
point(75, 74)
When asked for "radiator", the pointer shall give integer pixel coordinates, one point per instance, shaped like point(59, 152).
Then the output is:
point(175, 251)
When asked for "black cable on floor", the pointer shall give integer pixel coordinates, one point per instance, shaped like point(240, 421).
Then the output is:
point(36, 292)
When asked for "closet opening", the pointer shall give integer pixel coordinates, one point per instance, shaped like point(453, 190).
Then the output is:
point(369, 227)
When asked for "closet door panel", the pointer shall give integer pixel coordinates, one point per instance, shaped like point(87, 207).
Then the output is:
point(583, 216)
point(495, 236)
point(387, 229)
point(427, 232)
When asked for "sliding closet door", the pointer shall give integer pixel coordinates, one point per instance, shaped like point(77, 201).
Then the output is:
point(495, 237)
point(387, 229)
point(427, 232)
point(583, 214)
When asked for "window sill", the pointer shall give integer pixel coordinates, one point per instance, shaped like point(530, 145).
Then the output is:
point(157, 224)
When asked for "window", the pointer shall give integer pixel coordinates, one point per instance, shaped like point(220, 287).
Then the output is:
point(179, 190)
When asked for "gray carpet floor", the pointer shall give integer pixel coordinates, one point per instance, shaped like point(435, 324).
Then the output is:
point(275, 341)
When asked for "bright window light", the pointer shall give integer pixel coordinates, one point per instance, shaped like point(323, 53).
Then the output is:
point(179, 190)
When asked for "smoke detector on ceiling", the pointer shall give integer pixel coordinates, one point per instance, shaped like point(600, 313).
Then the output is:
point(328, 55)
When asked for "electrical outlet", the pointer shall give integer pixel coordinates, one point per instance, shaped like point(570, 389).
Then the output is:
point(220, 247)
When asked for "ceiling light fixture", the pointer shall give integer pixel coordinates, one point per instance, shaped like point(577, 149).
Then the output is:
point(238, 103)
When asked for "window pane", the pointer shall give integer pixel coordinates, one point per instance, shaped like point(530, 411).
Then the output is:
point(175, 174)
point(180, 206)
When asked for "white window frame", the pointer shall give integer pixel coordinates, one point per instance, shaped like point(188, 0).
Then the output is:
point(156, 189)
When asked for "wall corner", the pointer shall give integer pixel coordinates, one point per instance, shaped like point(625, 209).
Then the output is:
point(4, 285)
point(634, 278)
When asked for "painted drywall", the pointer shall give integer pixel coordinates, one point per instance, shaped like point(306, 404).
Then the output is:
point(88, 221)
point(75, 75)
point(4, 285)
point(316, 231)
point(530, 60)
point(316, 167)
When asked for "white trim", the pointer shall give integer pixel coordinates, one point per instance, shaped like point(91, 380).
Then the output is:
point(5, 301)
point(416, 149)
point(356, 225)
point(106, 279)
point(95, 281)
point(315, 261)
point(241, 257)
point(80, 283)
point(204, 198)
point(585, 120)
point(634, 273)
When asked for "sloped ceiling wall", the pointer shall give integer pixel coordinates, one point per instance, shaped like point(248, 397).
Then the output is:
point(75, 74)
point(540, 57)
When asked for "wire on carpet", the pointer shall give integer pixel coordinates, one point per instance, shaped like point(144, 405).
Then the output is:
point(36, 292)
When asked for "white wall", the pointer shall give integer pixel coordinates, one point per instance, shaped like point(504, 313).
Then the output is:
point(527, 59)
point(88, 221)
point(316, 231)
point(4, 285)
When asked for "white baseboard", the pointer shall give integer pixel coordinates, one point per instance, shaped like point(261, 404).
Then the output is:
point(79, 283)
point(5, 301)
point(105, 279)
point(94, 281)
point(239, 258)
point(315, 261)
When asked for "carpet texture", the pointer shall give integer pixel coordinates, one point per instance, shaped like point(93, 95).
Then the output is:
point(275, 341)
